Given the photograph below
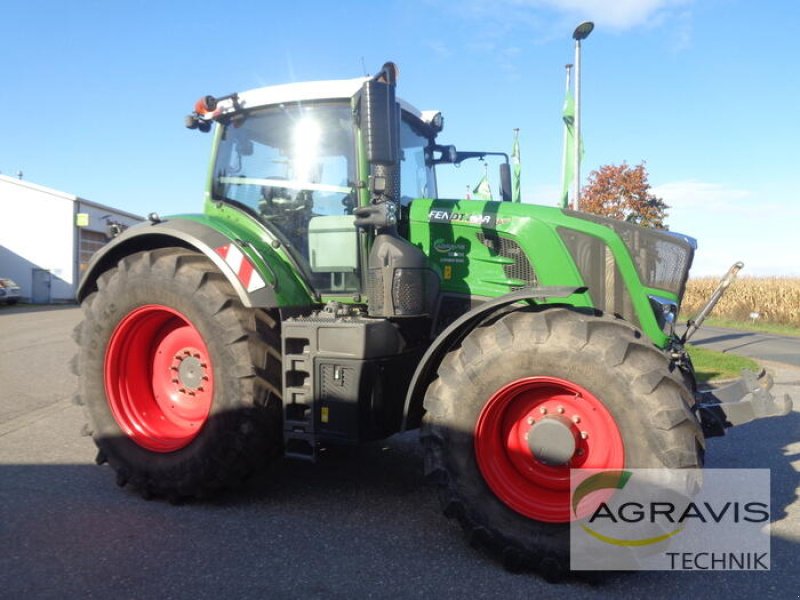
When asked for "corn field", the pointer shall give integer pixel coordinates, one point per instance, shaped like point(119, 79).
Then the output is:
point(775, 299)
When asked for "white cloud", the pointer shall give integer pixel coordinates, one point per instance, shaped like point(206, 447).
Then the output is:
point(699, 194)
point(682, 33)
point(619, 15)
point(439, 49)
point(731, 224)
point(692, 197)
point(546, 20)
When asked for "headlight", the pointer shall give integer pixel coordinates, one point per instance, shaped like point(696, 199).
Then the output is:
point(666, 312)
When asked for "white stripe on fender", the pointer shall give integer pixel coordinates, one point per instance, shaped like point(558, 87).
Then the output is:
point(241, 265)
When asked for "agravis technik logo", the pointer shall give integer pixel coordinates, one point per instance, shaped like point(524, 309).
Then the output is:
point(670, 519)
point(610, 480)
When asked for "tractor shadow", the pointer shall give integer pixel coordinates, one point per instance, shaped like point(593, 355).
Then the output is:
point(369, 472)
point(383, 482)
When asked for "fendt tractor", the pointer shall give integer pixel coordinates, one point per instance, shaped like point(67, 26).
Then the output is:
point(327, 295)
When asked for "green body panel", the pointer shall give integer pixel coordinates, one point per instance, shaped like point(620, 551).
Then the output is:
point(447, 232)
point(273, 264)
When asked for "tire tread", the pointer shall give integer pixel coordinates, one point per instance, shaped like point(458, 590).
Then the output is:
point(677, 439)
point(253, 341)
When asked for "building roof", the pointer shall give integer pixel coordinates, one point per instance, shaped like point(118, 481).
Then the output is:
point(64, 195)
point(37, 188)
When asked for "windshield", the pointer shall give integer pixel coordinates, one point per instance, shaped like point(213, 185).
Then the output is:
point(294, 167)
point(282, 159)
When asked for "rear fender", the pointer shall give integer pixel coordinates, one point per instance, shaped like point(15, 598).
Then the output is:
point(255, 288)
point(457, 331)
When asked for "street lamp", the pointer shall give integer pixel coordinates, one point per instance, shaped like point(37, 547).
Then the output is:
point(581, 32)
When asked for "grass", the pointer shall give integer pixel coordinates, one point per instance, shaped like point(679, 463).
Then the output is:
point(713, 366)
point(757, 327)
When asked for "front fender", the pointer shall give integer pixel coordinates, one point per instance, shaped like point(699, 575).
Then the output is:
point(255, 286)
point(457, 331)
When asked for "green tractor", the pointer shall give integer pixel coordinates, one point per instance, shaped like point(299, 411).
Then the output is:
point(327, 295)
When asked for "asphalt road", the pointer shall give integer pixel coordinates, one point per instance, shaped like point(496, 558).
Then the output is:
point(360, 524)
point(761, 346)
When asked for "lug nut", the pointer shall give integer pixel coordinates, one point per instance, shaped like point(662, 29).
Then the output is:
point(560, 410)
point(584, 435)
point(543, 410)
point(576, 419)
point(530, 421)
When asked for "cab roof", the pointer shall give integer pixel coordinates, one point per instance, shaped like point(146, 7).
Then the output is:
point(306, 91)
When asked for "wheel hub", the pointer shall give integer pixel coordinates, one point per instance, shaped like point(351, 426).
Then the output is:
point(190, 371)
point(553, 440)
point(532, 432)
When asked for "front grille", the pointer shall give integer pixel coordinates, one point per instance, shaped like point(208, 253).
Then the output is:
point(600, 274)
point(520, 269)
point(662, 259)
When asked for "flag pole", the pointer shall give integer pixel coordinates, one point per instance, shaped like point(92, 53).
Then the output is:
point(581, 33)
point(564, 157)
point(516, 191)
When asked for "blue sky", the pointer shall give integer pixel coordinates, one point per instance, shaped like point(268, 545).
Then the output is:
point(706, 92)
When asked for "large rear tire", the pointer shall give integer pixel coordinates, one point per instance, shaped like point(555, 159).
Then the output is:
point(180, 383)
point(528, 397)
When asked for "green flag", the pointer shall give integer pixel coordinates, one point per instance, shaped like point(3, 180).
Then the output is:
point(483, 191)
point(568, 173)
point(516, 194)
point(568, 169)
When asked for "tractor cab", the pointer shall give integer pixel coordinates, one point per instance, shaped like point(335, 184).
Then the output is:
point(289, 156)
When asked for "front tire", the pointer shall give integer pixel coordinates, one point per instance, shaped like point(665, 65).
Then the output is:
point(528, 397)
point(180, 383)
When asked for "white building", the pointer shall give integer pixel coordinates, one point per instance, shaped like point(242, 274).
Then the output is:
point(47, 238)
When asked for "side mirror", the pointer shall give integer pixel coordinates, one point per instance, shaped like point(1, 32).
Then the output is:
point(505, 182)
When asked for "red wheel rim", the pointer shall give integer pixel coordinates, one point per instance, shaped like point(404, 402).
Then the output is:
point(511, 468)
point(158, 378)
